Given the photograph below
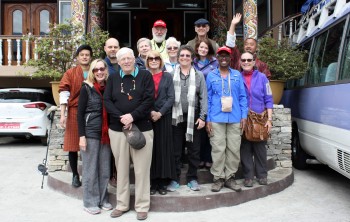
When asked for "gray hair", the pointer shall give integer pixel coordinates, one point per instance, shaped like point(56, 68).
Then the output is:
point(172, 40)
point(124, 51)
point(142, 40)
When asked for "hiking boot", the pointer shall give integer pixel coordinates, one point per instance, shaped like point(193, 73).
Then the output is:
point(231, 184)
point(173, 186)
point(248, 183)
point(193, 185)
point(217, 185)
point(262, 181)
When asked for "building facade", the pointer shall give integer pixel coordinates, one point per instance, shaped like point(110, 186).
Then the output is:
point(126, 20)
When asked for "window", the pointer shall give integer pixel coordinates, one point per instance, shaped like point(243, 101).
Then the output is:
point(345, 67)
point(64, 11)
point(17, 22)
point(119, 27)
point(324, 58)
point(44, 22)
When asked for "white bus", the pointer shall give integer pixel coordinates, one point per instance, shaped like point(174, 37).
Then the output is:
point(320, 101)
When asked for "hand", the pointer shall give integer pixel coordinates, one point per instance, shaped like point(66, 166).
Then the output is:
point(209, 129)
point(82, 143)
point(128, 126)
point(268, 124)
point(236, 19)
point(126, 119)
point(63, 120)
point(242, 125)
point(200, 123)
point(155, 116)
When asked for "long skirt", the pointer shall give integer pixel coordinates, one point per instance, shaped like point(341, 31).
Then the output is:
point(163, 162)
point(71, 134)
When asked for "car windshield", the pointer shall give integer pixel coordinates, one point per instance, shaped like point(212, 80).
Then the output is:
point(21, 97)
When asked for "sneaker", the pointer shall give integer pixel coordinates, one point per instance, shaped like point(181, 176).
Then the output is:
point(107, 206)
point(193, 185)
point(262, 181)
point(217, 185)
point(231, 184)
point(173, 186)
point(92, 210)
point(248, 183)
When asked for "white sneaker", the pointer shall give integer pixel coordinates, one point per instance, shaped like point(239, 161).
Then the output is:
point(107, 206)
point(92, 210)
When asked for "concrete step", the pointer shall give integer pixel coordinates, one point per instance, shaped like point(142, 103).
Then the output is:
point(185, 199)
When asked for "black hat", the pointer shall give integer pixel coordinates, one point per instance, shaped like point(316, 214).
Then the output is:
point(135, 137)
point(201, 21)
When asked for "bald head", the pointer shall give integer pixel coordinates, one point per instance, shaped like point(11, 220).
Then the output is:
point(111, 48)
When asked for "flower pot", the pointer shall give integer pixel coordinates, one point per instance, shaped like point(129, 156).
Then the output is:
point(277, 87)
point(55, 94)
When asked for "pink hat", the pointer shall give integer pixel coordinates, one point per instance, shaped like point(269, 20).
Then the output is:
point(224, 49)
point(160, 23)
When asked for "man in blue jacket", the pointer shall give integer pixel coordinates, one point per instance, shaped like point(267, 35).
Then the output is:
point(111, 48)
point(227, 114)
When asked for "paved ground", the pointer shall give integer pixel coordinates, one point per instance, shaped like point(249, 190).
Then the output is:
point(316, 195)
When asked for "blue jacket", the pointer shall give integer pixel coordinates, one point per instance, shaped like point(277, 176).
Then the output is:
point(111, 69)
point(238, 93)
point(260, 95)
point(205, 69)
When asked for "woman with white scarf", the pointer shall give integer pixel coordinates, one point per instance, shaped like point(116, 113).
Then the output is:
point(188, 115)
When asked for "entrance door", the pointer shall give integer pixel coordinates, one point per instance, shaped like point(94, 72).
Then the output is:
point(21, 19)
point(143, 23)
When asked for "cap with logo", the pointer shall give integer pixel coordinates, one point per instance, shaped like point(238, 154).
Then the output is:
point(159, 23)
point(224, 49)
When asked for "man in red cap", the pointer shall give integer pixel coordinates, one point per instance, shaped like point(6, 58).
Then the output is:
point(159, 31)
point(227, 114)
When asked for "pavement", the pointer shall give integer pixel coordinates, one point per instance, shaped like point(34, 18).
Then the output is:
point(22, 199)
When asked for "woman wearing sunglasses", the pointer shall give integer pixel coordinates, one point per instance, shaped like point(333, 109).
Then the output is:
point(172, 47)
point(259, 99)
point(163, 163)
point(94, 140)
point(188, 115)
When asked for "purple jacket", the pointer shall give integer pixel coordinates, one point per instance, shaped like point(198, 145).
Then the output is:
point(260, 95)
point(205, 69)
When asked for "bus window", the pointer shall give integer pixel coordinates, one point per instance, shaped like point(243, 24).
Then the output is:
point(324, 61)
point(345, 70)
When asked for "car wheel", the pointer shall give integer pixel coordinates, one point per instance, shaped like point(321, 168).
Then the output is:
point(298, 154)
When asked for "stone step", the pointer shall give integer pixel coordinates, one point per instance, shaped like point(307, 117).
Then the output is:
point(184, 199)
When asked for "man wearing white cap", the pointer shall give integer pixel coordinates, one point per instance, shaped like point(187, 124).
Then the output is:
point(201, 27)
point(159, 31)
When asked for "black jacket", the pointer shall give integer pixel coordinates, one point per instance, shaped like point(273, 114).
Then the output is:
point(166, 95)
point(89, 112)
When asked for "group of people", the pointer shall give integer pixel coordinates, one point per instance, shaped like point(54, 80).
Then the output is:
point(178, 96)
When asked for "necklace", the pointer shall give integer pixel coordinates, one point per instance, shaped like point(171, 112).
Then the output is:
point(132, 89)
point(184, 78)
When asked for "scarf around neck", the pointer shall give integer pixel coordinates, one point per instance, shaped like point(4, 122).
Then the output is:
point(177, 112)
point(104, 136)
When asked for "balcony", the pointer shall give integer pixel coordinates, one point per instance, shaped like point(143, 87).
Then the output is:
point(14, 53)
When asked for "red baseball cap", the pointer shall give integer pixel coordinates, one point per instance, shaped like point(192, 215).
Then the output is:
point(224, 49)
point(159, 23)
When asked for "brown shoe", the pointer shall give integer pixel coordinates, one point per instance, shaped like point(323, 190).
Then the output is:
point(117, 213)
point(262, 181)
point(248, 183)
point(141, 215)
point(231, 184)
point(217, 185)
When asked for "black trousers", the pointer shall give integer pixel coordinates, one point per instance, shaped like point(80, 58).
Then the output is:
point(258, 166)
point(193, 151)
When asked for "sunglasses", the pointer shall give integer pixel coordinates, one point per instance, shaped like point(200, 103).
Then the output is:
point(246, 60)
point(203, 26)
point(102, 69)
point(173, 48)
point(157, 58)
point(185, 55)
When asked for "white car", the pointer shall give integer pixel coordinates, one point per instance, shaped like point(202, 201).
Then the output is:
point(23, 113)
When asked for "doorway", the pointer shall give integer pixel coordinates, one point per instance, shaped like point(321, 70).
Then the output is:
point(21, 19)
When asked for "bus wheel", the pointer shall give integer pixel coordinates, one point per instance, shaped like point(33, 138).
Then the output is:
point(298, 154)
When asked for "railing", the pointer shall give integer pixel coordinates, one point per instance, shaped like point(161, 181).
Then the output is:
point(286, 27)
point(14, 50)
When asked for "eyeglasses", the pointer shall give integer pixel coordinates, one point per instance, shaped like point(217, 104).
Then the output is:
point(102, 69)
point(185, 55)
point(157, 58)
point(203, 26)
point(246, 60)
point(173, 48)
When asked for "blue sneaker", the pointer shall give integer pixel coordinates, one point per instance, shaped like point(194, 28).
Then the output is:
point(173, 185)
point(193, 184)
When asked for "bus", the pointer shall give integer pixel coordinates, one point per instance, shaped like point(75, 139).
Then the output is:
point(320, 101)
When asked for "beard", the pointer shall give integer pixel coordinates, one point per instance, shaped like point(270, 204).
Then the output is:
point(159, 39)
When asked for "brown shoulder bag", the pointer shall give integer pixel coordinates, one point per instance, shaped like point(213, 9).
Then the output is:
point(255, 129)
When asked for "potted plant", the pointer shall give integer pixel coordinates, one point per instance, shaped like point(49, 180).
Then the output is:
point(285, 62)
point(56, 51)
